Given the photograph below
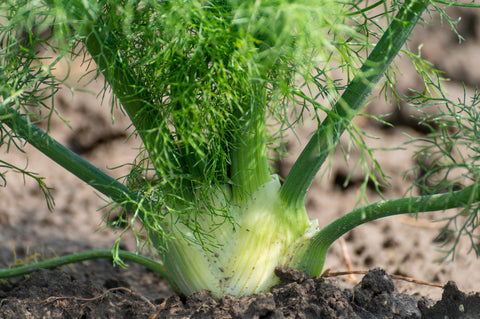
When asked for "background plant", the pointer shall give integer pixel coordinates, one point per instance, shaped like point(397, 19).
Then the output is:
point(198, 80)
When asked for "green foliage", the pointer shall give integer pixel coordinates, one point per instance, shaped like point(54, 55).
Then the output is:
point(191, 75)
point(448, 160)
point(39, 180)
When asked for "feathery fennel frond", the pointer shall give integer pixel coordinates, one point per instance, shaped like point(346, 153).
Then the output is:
point(448, 160)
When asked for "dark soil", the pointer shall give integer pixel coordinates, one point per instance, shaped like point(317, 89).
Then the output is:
point(56, 294)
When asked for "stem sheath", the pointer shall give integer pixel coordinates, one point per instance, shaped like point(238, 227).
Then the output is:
point(250, 167)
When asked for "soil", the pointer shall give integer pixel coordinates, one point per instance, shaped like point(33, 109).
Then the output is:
point(401, 245)
point(55, 294)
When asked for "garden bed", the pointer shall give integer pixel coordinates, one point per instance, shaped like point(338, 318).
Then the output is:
point(56, 294)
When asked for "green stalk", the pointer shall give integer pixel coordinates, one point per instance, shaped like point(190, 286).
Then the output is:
point(250, 167)
point(459, 4)
point(325, 139)
point(64, 157)
point(312, 257)
point(126, 89)
point(125, 85)
point(88, 255)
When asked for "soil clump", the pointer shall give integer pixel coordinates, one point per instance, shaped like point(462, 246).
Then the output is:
point(56, 294)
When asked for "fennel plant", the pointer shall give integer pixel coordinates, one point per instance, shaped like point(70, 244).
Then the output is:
point(200, 82)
